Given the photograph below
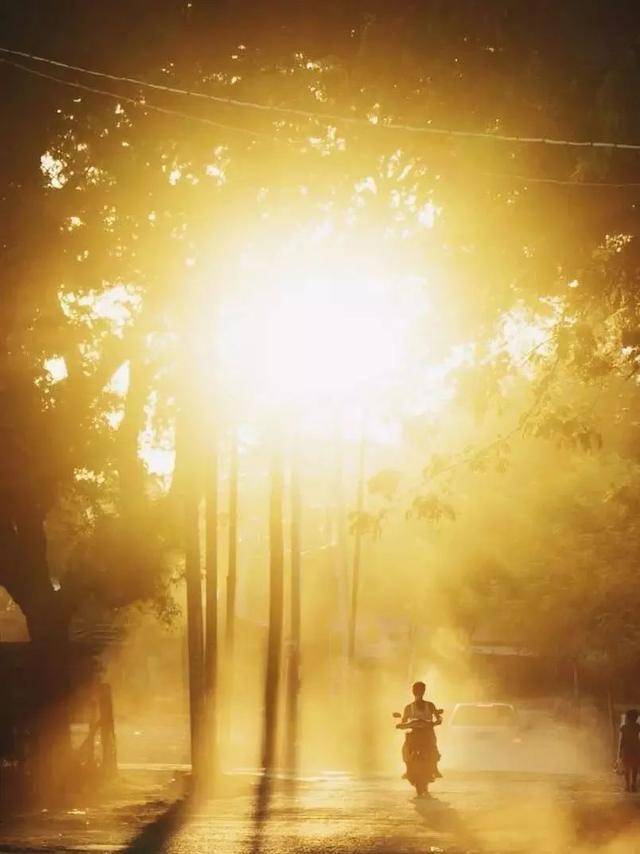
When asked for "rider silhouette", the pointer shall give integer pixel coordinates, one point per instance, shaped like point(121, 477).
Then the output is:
point(422, 739)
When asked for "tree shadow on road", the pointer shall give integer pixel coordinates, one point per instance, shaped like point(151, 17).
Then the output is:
point(262, 804)
point(156, 836)
point(441, 818)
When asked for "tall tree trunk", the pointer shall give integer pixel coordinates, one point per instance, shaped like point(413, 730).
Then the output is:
point(340, 551)
point(211, 637)
point(47, 668)
point(232, 566)
point(232, 581)
point(276, 602)
point(357, 552)
point(51, 688)
point(293, 670)
point(340, 559)
point(193, 577)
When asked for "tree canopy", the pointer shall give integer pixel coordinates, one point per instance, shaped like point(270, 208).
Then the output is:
point(128, 219)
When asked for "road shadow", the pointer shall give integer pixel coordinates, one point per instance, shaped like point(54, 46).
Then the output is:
point(156, 836)
point(441, 818)
point(261, 811)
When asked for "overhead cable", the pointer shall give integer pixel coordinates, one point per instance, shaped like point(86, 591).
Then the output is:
point(310, 114)
point(144, 105)
point(564, 182)
point(257, 134)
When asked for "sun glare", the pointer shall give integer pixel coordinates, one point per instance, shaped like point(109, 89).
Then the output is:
point(316, 341)
point(56, 368)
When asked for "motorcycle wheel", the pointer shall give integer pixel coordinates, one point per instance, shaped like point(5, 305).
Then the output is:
point(418, 776)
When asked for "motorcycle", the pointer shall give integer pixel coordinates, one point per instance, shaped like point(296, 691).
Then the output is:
point(420, 752)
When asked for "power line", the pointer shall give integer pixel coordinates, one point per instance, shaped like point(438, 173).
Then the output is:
point(564, 182)
point(354, 120)
point(145, 105)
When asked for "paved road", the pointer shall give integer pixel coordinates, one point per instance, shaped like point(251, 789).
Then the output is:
point(489, 814)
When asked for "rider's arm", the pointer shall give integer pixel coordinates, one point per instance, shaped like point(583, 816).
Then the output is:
point(620, 744)
point(406, 715)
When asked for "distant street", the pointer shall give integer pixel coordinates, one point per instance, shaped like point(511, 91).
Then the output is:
point(494, 814)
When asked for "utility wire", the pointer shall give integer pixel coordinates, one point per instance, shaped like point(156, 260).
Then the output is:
point(564, 182)
point(354, 120)
point(145, 105)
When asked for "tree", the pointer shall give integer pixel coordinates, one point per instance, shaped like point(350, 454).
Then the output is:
point(138, 208)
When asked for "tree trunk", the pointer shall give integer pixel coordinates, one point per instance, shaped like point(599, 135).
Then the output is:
point(51, 752)
point(46, 669)
point(211, 639)
point(232, 581)
point(357, 551)
point(340, 553)
point(232, 567)
point(193, 579)
point(274, 641)
point(293, 670)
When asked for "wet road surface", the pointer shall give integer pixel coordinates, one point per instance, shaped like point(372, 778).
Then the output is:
point(494, 814)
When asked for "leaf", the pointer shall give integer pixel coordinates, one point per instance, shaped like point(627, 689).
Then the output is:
point(430, 508)
point(366, 524)
point(436, 465)
point(385, 483)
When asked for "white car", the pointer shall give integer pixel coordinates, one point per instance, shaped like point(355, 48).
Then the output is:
point(481, 736)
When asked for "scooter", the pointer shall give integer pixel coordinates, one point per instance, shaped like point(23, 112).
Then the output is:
point(420, 752)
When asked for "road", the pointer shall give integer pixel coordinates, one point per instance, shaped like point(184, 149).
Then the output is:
point(493, 814)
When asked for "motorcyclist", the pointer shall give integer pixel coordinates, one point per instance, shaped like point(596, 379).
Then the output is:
point(422, 739)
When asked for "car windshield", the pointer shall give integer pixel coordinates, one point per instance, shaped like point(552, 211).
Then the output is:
point(484, 716)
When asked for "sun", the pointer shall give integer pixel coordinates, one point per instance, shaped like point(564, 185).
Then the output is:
point(320, 338)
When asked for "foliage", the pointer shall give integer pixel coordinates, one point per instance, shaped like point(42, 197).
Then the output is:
point(149, 216)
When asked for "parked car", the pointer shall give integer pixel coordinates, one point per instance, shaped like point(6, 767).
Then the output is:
point(482, 736)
